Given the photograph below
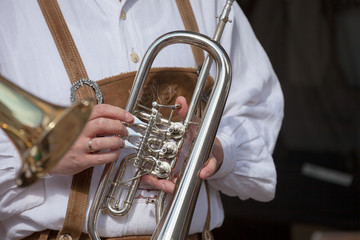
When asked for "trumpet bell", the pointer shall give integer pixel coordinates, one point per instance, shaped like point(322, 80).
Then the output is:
point(41, 131)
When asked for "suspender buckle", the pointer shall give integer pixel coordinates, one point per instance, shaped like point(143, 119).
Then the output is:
point(80, 83)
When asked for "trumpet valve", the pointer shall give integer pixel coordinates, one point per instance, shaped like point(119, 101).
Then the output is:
point(176, 129)
point(169, 148)
point(162, 169)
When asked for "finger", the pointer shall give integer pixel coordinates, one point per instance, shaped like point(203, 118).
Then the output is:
point(184, 107)
point(164, 185)
point(102, 157)
point(75, 162)
point(105, 143)
point(109, 111)
point(104, 127)
point(209, 169)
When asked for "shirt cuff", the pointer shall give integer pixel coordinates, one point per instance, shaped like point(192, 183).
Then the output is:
point(228, 163)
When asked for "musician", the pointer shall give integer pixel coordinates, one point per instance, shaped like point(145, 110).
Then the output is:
point(110, 37)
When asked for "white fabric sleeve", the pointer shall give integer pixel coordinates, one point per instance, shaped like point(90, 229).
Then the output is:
point(252, 117)
point(13, 199)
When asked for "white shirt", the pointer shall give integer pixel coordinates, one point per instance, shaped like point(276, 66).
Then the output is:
point(248, 130)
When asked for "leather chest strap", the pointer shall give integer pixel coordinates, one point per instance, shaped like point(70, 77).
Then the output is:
point(78, 198)
point(66, 45)
point(190, 24)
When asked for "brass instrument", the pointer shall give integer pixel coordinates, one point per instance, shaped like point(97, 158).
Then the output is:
point(42, 132)
point(158, 140)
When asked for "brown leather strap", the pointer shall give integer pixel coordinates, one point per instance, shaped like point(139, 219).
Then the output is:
point(44, 235)
point(206, 234)
point(189, 20)
point(77, 203)
point(66, 45)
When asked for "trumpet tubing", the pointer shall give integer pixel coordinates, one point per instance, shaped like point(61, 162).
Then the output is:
point(39, 129)
point(158, 140)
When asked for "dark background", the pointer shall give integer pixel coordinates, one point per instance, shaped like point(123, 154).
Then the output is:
point(314, 46)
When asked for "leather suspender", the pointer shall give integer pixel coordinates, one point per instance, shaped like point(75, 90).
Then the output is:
point(189, 20)
point(78, 198)
point(66, 45)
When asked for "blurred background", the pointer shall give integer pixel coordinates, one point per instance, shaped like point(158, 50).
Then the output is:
point(314, 46)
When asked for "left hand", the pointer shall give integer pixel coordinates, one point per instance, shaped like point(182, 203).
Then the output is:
point(211, 166)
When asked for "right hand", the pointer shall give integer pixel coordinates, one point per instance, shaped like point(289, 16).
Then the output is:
point(210, 168)
point(103, 129)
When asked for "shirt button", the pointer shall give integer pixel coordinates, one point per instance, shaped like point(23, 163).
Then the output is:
point(123, 15)
point(134, 57)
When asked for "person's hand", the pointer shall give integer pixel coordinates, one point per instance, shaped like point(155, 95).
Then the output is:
point(210, 168)
point(99, 142)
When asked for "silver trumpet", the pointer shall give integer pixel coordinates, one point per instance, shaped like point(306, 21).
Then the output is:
point(42, 132)
point(159, 140)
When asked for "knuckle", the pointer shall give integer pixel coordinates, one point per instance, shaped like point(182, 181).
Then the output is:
point(106, 158)
point(100, 109)
point(99, 160)
point(101, 123)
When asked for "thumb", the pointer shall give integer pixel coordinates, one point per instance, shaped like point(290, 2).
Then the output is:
point(184, 107)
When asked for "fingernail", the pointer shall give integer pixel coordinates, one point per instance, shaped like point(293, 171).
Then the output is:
point(207, 175)
point(148, 182)
point(162, 186)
